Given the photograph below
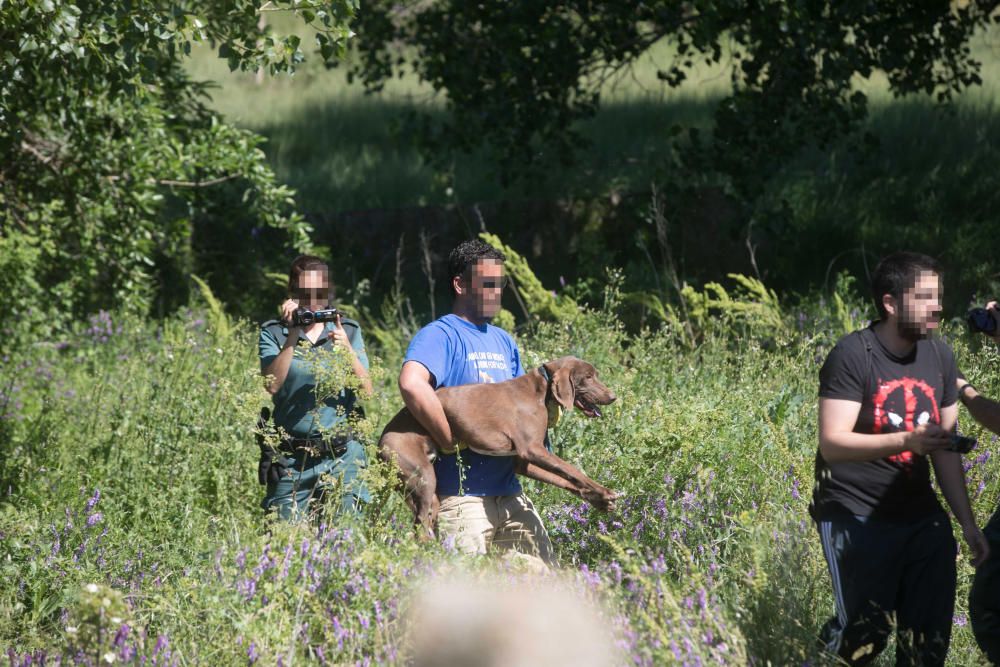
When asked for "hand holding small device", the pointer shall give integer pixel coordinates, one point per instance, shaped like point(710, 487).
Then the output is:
point(961, 444)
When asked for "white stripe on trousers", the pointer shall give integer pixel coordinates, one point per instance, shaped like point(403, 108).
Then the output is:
point(826, 538)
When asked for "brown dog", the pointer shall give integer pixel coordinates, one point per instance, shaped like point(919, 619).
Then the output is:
point(503, 419)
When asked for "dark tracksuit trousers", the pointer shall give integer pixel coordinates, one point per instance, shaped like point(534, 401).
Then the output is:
point(984, 598)
point(890, 574)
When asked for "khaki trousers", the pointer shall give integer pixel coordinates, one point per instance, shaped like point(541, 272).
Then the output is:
point(508, 524)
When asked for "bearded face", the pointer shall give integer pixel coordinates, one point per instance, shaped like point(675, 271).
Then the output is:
point(911, 330)
point(919, 308)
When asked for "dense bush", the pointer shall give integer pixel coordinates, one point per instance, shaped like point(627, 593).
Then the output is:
point(116, 181)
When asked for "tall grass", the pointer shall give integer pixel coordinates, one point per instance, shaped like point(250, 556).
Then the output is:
point(129, 523)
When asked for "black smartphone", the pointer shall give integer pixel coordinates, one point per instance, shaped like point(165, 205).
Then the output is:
point(961, 444)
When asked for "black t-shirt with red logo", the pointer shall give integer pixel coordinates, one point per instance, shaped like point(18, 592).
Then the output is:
point(896, 394)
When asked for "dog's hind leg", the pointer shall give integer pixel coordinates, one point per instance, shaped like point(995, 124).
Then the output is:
point(419, 488)
point(407, 446)
point(409, 454)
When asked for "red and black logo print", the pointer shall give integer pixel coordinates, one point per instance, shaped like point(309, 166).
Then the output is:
point(903, 405)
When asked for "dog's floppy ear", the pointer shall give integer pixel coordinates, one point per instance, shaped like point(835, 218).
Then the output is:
point(562, 386)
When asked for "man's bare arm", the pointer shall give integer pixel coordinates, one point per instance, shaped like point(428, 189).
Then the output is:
point(984, 410)
point(951, 479)
point(839, 443)
point(423, 403)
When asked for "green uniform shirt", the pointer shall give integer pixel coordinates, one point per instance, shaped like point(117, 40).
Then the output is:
point(295, 406)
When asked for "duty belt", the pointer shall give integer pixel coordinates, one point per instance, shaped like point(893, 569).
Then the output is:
point(333, 445)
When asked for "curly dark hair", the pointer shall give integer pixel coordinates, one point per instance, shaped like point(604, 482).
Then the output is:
point(897, 273)
point(467, 253)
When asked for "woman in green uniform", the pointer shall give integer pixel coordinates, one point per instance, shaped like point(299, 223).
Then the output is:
point(318, 452)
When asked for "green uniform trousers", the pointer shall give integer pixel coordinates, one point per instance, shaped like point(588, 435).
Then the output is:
point(303, 490)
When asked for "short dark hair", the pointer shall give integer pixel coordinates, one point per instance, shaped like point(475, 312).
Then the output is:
point(304, 263)
point(897, 273)
point(468, 253)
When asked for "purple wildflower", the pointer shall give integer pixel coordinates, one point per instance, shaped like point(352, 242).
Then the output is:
point(94, 499)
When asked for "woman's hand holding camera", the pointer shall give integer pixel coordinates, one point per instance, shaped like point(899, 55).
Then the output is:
point(339, 336)
point(288, 309)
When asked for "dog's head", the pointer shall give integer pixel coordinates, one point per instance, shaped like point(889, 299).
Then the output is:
point(574, 383)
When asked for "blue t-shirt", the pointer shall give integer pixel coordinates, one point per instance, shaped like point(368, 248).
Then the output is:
point(456, 352)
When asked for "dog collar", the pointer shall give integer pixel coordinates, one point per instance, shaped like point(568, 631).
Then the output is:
point(548, 381)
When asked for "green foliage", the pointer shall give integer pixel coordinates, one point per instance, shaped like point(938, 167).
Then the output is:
point(926, 185)
point(115, 179)
point(220, 323)
point(754, 306)
point(539, 303)
point(848, 310)
point(19, 259)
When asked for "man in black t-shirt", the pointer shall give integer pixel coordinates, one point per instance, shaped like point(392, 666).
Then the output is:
point(886, 409)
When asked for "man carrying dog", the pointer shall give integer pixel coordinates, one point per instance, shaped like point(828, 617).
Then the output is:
point(482, 505)
point(887, 407)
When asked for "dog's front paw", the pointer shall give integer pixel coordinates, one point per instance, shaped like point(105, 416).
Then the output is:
point(612, 498)
point(602, 499)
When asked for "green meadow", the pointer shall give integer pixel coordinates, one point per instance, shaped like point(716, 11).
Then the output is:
point(343, 150)
point(131, 531)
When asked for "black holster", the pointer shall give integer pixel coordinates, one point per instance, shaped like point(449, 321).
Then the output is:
point(272, 465)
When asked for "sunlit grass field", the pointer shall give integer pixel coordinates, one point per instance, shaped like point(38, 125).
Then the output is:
point(929, 183)
point(343, 150)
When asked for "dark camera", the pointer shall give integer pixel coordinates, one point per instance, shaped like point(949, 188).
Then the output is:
point(961, 444)
point(982, 320)
point(303, 317)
